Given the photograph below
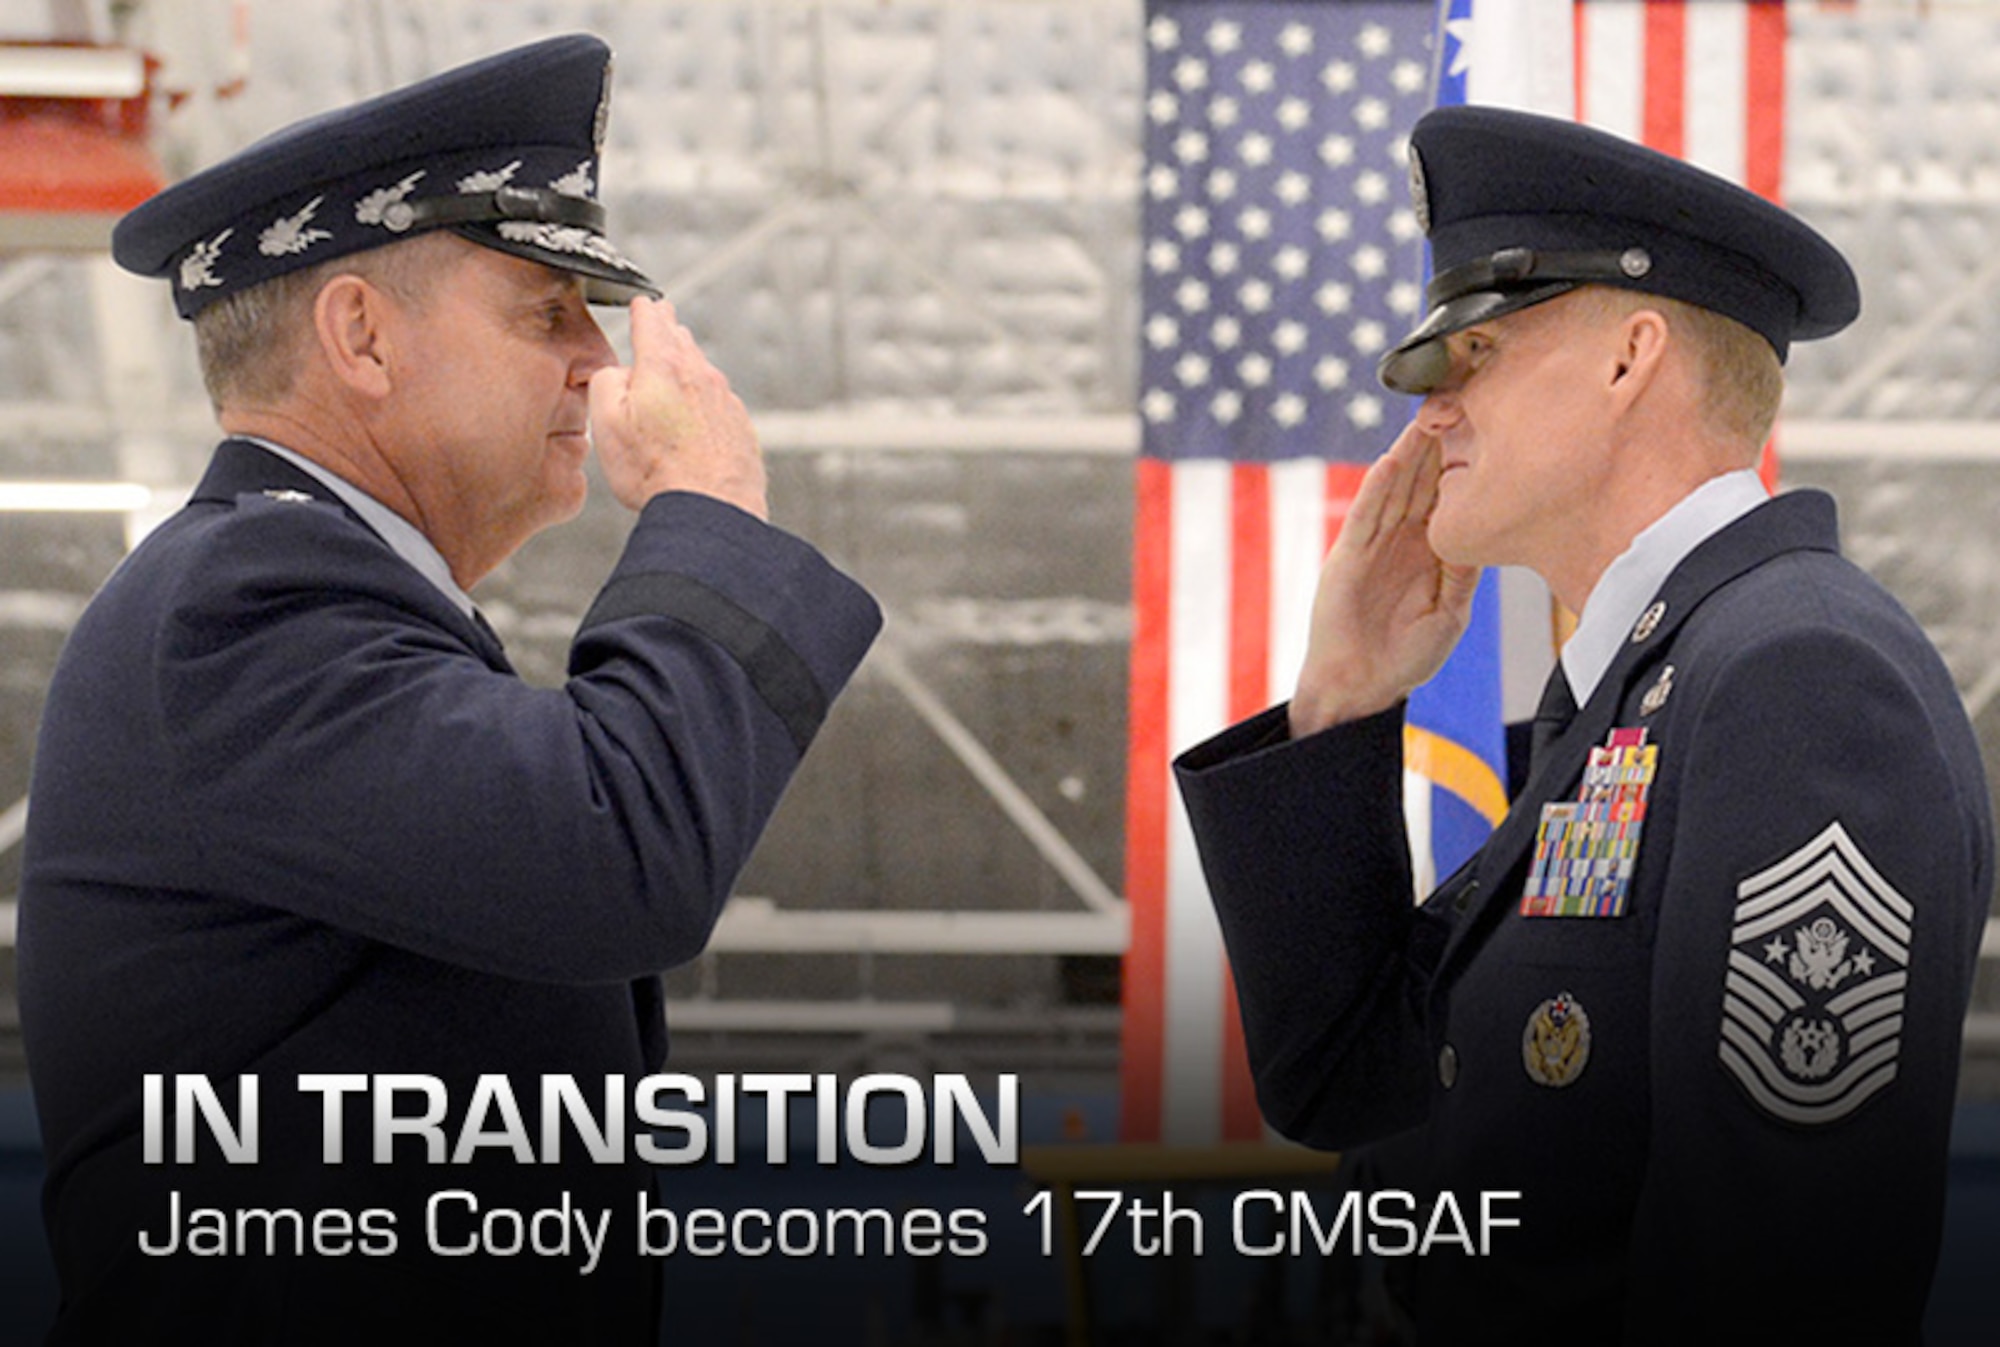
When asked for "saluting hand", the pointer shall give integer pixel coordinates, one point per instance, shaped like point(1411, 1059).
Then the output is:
point(669, 421)
point(1388, 610)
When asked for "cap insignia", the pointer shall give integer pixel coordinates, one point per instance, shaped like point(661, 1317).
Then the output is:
point(385, 205)
point(288, 237)
point(577, 182)
point(198, 267)
point(1420, 198)
point(490, 180)
point(564, 239)
point(603, 118)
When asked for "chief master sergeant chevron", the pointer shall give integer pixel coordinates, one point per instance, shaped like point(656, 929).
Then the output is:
point(293, 811)
point(1699, 998)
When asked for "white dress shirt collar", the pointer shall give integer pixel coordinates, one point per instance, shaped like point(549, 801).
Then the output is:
point(1630, 582)
point(401, 535)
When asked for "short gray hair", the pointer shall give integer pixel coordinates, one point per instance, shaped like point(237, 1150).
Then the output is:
point(1742, 380)
point(249, 343)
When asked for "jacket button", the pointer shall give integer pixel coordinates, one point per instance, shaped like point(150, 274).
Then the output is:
point(1448, 1066)
point(1464, 897)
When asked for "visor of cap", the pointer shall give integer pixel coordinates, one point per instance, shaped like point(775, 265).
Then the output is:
point(1420, 362)
point(604, 282)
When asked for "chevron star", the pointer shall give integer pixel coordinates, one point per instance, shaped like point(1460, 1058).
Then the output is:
point(1775, 952)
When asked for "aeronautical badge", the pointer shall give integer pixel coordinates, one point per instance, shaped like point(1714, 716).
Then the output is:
point(1556, 1044)
point(1812, 1004)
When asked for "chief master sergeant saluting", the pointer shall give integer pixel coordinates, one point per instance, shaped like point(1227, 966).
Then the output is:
point(1699, 998)
point(293, 811)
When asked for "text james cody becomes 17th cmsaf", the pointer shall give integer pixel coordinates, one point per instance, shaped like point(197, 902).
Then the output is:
point(664, 1130)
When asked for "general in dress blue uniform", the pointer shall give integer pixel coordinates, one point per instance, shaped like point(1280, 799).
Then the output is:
point(1699, 998)
point(293, 811)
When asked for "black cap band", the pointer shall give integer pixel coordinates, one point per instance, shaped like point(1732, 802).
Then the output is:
point(507, 203)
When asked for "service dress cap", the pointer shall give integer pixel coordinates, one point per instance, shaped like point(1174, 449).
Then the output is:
point(505, 151)
point(1521, 208)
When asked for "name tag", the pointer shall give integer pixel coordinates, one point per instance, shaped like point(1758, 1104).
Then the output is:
point(1587, 848)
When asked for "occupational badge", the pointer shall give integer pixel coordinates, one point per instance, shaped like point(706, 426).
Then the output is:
point(1656, 695)
point(1556, 1044)
point(1812, 1003)
point(1587, 848)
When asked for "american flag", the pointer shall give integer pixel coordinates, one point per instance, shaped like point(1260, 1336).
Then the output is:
point(1280, 259)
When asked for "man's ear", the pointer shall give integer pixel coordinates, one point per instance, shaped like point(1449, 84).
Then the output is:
point(350, 322)
point(1640, 348)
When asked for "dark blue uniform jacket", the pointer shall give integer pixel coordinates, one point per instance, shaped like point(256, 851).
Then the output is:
point(1734, 1127)
point(293, 812)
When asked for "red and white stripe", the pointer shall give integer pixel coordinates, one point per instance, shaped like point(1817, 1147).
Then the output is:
point(1703, 80)
point(1227, 557)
